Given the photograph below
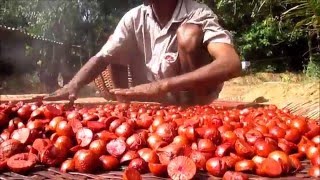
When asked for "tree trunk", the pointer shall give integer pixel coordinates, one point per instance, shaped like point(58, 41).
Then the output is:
point(310, 46)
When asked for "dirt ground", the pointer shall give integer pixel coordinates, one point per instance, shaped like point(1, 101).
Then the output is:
point(274, 92)
point(278, 89)
point(294, 92)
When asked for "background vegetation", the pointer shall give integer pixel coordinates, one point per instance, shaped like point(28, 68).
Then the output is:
point(274, 35)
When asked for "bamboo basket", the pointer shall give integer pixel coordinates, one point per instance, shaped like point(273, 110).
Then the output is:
point(114, 76)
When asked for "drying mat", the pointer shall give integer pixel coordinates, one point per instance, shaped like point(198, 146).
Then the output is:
point(41, 173)
point(310, 109)
point(53, 173)
point(307, 109)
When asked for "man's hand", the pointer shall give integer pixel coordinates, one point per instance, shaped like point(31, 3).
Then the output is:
point(150, 90)
point(68, 92)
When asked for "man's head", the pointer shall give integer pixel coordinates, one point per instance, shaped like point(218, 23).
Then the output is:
point(162, 9)
point(147, 2)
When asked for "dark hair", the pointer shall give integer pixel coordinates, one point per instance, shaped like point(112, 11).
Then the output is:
point(107, 29)
point(146, 2)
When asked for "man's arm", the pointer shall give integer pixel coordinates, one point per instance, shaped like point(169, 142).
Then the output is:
point(114, 51)
point(225, 66)
point(85, 75)
point(89, 71)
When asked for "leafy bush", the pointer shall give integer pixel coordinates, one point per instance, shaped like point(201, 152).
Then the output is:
point(265, 37)
point(272, 47)
point(313, 68)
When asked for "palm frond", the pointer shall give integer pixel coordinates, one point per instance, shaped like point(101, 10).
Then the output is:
point(305, 11)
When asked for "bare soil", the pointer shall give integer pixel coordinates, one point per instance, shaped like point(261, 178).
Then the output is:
point(273, 92)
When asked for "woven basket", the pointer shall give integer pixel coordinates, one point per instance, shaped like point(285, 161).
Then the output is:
point(114, 76)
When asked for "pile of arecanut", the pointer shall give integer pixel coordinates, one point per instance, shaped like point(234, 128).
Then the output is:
point(166, 141)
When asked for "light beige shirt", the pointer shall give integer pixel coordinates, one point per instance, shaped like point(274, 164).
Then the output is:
point(138, 31)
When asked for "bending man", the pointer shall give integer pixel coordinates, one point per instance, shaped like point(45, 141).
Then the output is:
point(177, 51)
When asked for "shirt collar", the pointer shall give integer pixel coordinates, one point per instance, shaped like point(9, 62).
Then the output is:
point(178, 15)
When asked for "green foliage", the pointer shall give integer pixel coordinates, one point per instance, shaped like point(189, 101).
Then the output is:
point(306, 13)
point(11, 13)
point(313, 67)
point(77, 21)
point(262, 35)
point(266, 37)
point(306, 16)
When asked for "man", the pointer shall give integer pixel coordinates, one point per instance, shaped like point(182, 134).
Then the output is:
point(184, 53)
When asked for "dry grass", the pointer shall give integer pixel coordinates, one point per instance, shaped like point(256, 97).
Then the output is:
point(258, 78)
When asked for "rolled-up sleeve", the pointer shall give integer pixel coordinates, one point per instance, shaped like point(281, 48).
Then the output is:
point(121, 41)
point(213, 32)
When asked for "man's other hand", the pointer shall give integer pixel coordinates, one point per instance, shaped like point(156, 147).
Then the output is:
point(143, 91)
point(68, 92)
